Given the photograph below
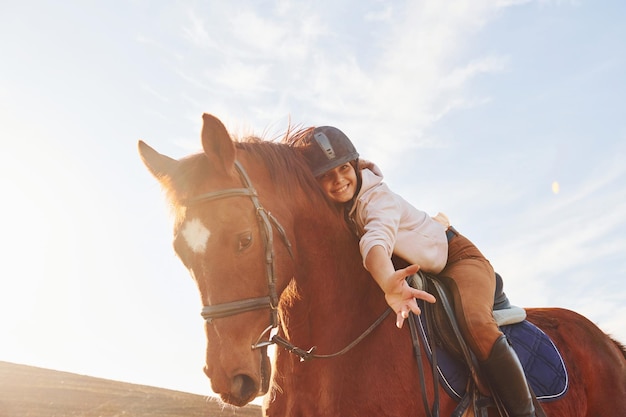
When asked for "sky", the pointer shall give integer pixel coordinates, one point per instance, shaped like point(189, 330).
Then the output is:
point(507, 115)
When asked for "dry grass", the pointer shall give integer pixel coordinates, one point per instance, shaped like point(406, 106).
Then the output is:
point(26, 391)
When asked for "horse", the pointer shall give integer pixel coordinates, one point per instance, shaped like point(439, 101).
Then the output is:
point(273, 259)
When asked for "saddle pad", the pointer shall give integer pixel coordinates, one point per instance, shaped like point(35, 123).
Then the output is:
point(542, 362)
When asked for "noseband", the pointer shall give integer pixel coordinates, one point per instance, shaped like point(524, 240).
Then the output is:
point(266, 221)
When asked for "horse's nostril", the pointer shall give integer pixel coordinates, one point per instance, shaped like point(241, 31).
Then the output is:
point(244, 387)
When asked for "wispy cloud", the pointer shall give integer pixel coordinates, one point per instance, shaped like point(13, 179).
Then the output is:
point(148, 89)
point(552, 244)
point(196, 32)
point(410, 77)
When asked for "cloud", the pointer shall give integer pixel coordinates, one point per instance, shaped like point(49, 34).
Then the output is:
point(384, 14)
point(148, 89)
point(196, 32)
point(309, 58)
point(554, 243)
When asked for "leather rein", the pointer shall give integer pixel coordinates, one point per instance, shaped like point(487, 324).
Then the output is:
point(267, 223)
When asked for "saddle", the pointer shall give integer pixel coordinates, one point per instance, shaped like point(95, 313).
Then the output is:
point(456, 368)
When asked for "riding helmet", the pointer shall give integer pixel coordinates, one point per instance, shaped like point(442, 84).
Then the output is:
point(329, 148)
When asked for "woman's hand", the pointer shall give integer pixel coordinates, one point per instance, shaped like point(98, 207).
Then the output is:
point(401, 296)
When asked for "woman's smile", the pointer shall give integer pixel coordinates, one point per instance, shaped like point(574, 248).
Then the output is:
point(341, 189)
point(343, 193)
point(339, 183)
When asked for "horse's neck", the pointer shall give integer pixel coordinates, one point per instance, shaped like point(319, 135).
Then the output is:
point(333, 287)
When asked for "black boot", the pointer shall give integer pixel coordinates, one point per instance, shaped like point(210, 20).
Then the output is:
point(507, 379)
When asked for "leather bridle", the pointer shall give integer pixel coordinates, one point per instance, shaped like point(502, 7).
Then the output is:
point(266, 221)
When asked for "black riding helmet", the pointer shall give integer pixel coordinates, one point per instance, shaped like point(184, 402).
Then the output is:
point(328, 149)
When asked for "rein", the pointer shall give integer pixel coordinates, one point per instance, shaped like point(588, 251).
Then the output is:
point(306, 355)
point(267, 222)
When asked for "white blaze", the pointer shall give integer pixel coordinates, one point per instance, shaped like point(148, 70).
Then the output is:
point(196, 235)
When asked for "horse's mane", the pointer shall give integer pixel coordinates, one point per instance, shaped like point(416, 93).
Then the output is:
point(285, 165)
point(287, 168)
point(620, 346)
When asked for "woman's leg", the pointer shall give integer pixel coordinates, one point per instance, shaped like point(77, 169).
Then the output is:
point(471, 280)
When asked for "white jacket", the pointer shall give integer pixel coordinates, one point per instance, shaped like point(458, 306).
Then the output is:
point(384, 218)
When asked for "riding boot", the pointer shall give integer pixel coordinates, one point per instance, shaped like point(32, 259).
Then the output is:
point(506, 377)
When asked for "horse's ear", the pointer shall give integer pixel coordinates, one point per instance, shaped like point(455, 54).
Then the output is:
point(160, 166)
point(217, 144)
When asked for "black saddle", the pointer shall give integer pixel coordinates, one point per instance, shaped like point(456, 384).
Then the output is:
point(456, 368)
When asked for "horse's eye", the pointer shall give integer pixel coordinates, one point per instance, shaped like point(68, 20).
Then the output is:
point(245, 240)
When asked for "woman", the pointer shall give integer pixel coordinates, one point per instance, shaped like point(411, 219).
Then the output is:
point(387, 224)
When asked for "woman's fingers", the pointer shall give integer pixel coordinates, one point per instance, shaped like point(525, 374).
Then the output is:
point(404, 313)
point(406, 295)
point(423, 295)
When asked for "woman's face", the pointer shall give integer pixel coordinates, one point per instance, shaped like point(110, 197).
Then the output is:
point(339, 183)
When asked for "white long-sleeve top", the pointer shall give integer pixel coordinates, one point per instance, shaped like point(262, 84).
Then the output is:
point(384, 218)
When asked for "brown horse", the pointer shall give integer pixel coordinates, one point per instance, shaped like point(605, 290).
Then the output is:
point(267, 251)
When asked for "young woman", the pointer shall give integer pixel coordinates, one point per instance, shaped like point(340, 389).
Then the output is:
point(386, 224)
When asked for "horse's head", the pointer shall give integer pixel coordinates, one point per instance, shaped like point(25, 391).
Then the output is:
point(234, 235)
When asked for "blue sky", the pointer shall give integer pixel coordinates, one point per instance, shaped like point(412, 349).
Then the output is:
point(475, 108)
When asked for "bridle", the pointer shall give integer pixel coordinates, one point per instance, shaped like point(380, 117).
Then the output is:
point(267, 223)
